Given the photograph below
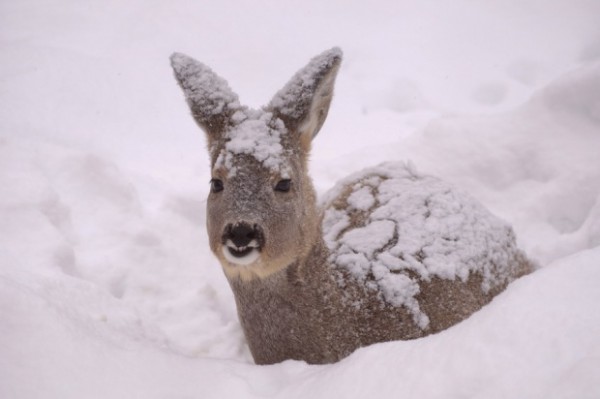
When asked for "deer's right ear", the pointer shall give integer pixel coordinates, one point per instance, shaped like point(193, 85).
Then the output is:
point(211, 100)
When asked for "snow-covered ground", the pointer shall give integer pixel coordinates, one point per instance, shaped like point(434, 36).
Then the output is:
point(107, 286)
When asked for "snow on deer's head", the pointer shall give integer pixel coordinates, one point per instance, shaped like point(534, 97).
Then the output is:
point(261, 212)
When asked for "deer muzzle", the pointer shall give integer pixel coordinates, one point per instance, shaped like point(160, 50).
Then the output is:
point(242, 243)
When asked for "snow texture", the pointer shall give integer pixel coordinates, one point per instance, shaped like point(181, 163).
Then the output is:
point(107, 286)
point(208, 94)
point(255, 133)
point(217, 109)
point(294, 99)
point(386, 222)
point(258, 133)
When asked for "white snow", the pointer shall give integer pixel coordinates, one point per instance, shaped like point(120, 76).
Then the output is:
point(413, 223)
point(293, 97)
point(107, 286)
point(361, 199)
point(258, 134)
point(218, 111)
point(209, 92)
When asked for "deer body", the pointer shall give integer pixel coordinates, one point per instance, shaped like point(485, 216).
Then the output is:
point(391, 254)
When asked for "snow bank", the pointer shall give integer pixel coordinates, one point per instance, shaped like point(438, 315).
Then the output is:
point(521, 345)
point(107, 286)
point(545, 152)
point(78, 214)
point(102, 295)
point(65, 338)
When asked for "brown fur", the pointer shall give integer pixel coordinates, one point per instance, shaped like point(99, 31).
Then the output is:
point(292, 302)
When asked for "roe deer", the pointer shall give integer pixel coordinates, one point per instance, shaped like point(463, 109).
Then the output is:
point(390, 255)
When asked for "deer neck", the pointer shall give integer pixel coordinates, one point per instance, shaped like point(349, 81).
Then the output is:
point(280, 311)
point(302, 272)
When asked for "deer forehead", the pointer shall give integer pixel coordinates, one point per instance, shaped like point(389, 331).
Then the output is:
point(259, 135)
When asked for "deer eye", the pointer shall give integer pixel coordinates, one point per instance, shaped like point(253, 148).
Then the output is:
point(216, 185)
point(283, 186)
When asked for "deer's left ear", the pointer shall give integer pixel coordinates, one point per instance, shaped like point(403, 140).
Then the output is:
point(304, 101)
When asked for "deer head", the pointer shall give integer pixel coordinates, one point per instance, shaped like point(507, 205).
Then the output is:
point(261, 210)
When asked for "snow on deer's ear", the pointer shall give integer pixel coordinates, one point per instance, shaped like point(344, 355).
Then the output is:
point(304, 101)
point(211, 100)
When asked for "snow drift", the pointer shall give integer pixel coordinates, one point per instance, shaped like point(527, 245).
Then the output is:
point(107, 286)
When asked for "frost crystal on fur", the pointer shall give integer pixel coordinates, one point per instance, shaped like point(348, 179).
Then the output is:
point(294, 98)
point(388, 224)
point(208, 95)
point(234, 128)
point(258, 134)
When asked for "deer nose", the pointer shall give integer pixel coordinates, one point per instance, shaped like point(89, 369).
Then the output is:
point(241, 234)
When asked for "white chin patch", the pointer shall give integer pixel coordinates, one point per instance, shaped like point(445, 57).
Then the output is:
point(240, 257)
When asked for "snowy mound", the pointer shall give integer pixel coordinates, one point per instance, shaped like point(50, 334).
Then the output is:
point(390, 227)
point(103, 251)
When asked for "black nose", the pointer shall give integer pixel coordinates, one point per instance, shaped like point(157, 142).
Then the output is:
point(241, 234)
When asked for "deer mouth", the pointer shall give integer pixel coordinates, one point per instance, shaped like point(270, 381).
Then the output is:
point(242, 243)
point(243, 255)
